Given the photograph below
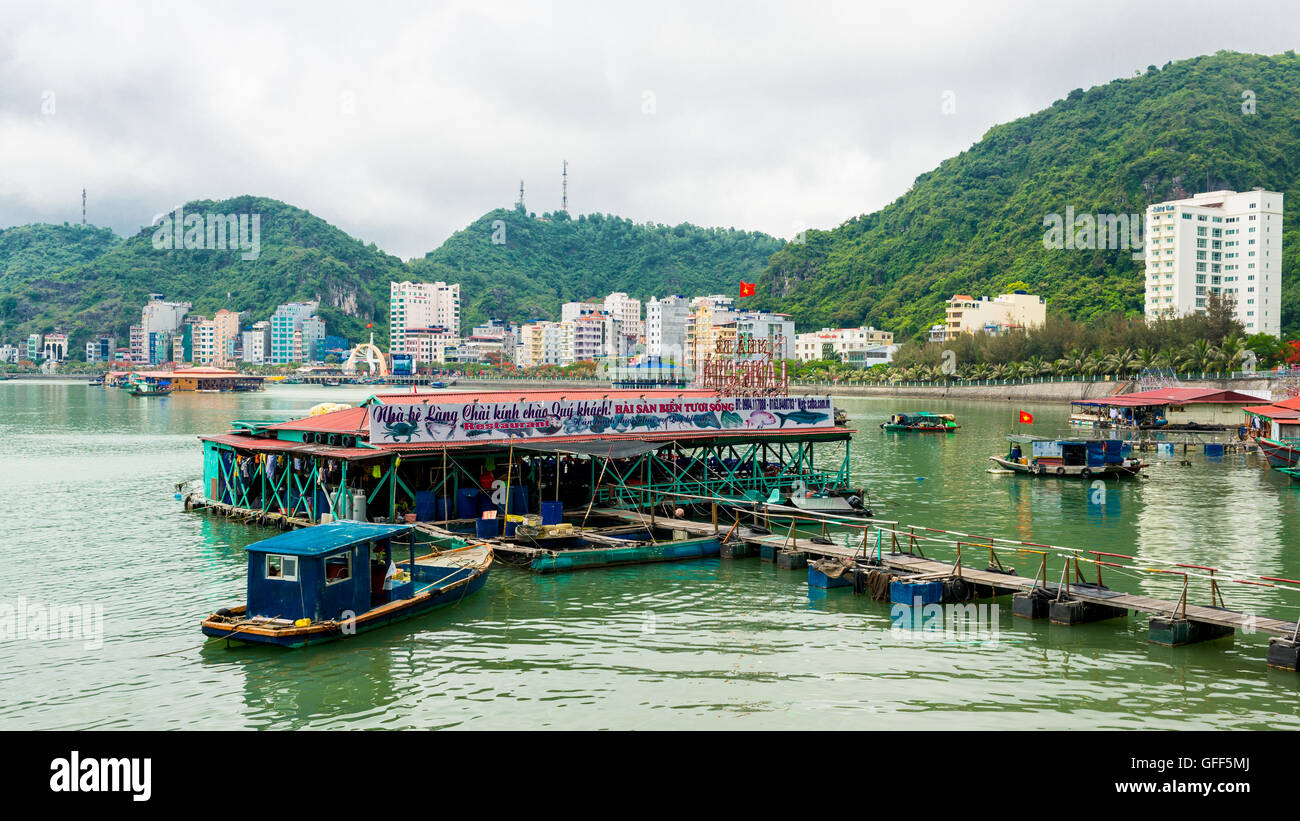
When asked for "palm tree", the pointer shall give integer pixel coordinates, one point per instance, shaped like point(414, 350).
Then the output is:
point(1092, 363)
point(1232, 351)
point(1119, 362)
point(1199, 356)
point(1145, 359)
point(1072, 363)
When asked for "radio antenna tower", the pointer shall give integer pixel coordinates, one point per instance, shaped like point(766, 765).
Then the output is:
point(83, 208)
point(564, 188)
point(521, 193)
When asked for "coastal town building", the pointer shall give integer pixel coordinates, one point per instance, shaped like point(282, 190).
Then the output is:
point(101, 349)
point(257, 344)
point(432, 346)
point(665, 328)
point(54, 348)
point(287, 331)
point(1017, 310)
point(421, 305)
point(1227, 243)
point(829, 343)
point(541, 343)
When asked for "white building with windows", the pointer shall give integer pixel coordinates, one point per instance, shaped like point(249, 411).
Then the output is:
point(827, 342)
point(665, 328)
point(541, 343)
point(421, 305)
point(1219, 242)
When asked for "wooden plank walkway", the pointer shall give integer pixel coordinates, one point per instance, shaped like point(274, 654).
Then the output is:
point(912, 563)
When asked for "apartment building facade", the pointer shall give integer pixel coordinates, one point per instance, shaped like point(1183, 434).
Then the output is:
point(1224, 243)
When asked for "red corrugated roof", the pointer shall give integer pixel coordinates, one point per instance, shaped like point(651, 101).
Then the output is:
point(246, 442)
point(351, 420)
point(1191, 396)
point(1292, 402)
point(1129, 401)
point(239, 440)
point(1273, 411)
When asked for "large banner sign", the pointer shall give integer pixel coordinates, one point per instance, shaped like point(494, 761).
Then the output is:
point(490, 421)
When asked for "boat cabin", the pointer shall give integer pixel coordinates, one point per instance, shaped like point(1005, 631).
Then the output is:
point(334, 571)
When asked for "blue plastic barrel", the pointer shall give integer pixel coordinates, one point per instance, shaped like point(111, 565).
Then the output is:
point(488, 528)
point(424, 509)
point(915, 593)
point(1213, 449)
point(552, 513)
point(440, 508)
point(510, 528)
point(467, 503)
point(518, 500)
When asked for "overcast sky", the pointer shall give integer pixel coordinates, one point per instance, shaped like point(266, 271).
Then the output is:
point(402, 123)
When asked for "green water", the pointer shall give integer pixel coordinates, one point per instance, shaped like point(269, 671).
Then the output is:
point(87, 516)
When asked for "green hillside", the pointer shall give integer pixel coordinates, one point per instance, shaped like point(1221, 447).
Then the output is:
point(546, 261)
point(975, 224)
point(302, 257)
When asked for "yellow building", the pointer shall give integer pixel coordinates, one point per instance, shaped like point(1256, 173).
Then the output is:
point(1016, 310)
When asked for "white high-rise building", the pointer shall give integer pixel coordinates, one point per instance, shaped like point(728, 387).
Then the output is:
point(1219, 242)
point(665, 328)
point(421, 305)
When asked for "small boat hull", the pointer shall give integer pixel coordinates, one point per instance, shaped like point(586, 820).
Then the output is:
point(1279, 454)
point(1053, 471)
point(918, 428)
point(562, 561)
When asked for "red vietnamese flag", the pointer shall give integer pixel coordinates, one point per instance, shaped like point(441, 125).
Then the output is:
point(370, 324)
point(746, 288)
point(1026, 418)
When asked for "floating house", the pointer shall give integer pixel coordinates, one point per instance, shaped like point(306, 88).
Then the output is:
point(1163, 408)
point(1068, 458)
point(340, 579)
point(532, 469)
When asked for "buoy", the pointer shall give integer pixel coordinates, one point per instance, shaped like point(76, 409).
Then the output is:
point(302, 623)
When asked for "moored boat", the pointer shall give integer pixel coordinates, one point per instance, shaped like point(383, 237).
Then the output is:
point(921, 422)
point(1280, 453)
point(1069, 458)
point(150, 388)
point(338, 579)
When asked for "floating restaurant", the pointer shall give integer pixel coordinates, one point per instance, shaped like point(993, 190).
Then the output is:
point(548, 465)
point(1163, 409)
point(203, 379)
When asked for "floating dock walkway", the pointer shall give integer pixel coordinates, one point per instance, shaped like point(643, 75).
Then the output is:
point(897, 554)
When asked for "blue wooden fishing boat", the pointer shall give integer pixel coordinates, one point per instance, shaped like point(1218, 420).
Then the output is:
point(335, 580)
point(1068, 458)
